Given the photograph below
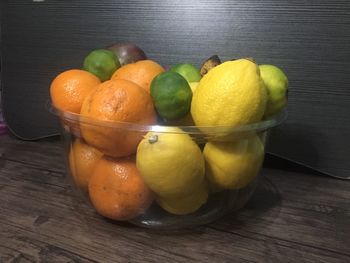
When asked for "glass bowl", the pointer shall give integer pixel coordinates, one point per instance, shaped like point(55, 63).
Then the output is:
point(222, 193)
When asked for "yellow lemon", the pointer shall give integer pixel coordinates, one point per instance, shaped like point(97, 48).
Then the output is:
point(171, 164)
point(230, 94)
point(185, 204)
point(233, 165)
point(193, 86)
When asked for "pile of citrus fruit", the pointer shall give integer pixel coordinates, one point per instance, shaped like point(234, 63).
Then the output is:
point(124, 171)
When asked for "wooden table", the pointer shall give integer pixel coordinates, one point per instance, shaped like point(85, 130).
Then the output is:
point(295, 216)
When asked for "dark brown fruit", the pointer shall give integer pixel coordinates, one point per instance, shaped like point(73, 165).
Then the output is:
point(210, 63)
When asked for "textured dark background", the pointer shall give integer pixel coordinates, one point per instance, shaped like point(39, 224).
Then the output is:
point(309, 40)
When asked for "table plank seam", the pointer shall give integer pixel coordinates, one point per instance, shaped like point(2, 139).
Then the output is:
point(41, 241)
point(281, 239)
point(18, 257)
point(27, 164)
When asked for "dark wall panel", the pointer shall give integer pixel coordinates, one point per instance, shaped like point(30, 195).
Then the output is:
point(308, 39)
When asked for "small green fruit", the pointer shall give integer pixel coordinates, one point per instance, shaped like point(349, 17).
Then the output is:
point(276, 83)
point(171, 95)
point(188, 71)
point(102, 63)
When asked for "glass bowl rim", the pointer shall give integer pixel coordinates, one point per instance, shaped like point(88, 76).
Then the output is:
point(255, 126)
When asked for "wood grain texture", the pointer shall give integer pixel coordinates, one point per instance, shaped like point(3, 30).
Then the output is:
point(308, 39)
point(292, 217)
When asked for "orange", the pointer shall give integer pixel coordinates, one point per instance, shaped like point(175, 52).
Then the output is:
point(82, 160)
point(116, 189)
point(119, 101)
point(141, 72)
point(69, 89)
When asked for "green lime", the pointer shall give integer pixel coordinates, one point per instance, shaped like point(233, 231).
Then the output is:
point(102, 63)
point(276, 83)
point(171, 95)
point(188, 71)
